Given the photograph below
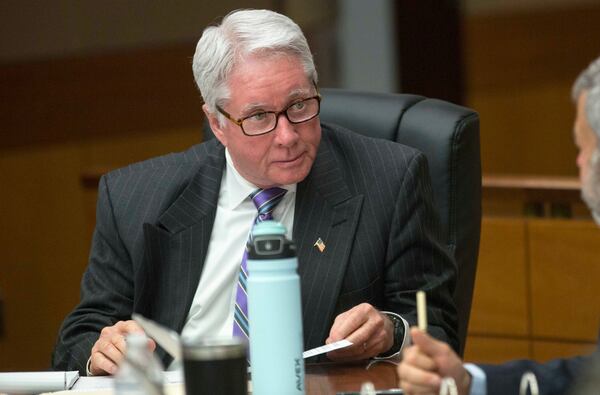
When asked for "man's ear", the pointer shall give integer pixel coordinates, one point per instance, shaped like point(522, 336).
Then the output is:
point(214, 125)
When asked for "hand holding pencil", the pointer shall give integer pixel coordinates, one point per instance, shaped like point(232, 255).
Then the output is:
point(428, 361)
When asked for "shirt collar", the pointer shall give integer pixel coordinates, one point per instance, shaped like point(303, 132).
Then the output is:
point(237, 187)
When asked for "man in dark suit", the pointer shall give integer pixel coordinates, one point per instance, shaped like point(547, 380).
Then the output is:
point(171, 231)
point(428, 361)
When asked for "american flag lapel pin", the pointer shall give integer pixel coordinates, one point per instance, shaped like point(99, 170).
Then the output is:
point(320, 245)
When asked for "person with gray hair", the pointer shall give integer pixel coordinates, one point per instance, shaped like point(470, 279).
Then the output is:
point(586, 94)
point(243, 34)
point(428, 361)
point(171, 231)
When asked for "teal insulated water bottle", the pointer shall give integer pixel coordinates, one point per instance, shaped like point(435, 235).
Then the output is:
point(275, 312)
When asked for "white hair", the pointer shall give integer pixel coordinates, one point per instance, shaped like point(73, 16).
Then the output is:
point(592, 110)
point(590, 188)
point(589, 81)
point(240, 34)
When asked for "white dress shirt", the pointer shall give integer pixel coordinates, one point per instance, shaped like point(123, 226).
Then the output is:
point(211, 313)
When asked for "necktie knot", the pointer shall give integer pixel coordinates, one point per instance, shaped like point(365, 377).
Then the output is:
point(265, 201)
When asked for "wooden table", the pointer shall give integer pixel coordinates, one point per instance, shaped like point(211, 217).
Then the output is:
point(330, 378)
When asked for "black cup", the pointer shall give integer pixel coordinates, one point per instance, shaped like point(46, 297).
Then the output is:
point(216, 367)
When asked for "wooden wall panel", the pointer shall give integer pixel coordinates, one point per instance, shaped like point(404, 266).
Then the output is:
point(122, 150)
point(518, 118)
point(519, 71)
point(531, 47)
point(43, 253)
point(547, 350)
point(537, 282)
point(490, 349)
point(500, 297)
point(79, 98)
point(565, 274)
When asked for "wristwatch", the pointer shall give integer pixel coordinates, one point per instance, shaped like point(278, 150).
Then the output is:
point(398, 335)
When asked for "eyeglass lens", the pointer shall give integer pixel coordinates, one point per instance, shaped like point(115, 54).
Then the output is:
point(296, 113)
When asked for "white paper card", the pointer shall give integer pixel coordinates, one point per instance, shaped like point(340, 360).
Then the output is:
point(36, 382)
point(326, 348)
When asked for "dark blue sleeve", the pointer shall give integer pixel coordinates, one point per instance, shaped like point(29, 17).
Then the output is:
point(554, 377)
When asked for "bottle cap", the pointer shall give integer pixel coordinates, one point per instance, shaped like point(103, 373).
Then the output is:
point(268, 228)
point(269, 242)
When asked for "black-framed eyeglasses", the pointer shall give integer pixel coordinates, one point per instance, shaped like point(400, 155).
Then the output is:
point(264, 122)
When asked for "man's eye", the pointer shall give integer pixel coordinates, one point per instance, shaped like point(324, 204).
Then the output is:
point(259, 116)
point(298, 106)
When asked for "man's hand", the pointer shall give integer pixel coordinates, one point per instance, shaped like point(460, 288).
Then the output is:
point(426, 363)
point(109, 349)
point(370, 331)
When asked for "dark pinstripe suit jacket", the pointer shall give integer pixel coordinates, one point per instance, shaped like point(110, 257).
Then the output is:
point(555, 377)
point(368, 200)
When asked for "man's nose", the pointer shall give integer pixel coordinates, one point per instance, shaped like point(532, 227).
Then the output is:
point(579, 160)
point(285, 132)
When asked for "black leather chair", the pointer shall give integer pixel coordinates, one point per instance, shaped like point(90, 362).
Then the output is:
point(448, 135)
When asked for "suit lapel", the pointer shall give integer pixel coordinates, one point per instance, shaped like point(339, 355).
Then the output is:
point(326, 209)
point(176, 246)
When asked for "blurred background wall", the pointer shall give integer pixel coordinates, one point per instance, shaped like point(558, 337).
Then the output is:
point(88, 85)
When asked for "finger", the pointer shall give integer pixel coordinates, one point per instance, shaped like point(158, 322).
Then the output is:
point(364, 322)
point(151, 344)
point(413, 356)
point(346, 323)
point(356, 352)
point(374, 332)
point(111, 343)
point(428, 344)
point(117, 340)
point(370, 339)
point(111, 352)
point(121, 328)
point(414, 389)
point(128, 326)
point(120, 341)
point(346, 353)
point(418, 377)
point(100, 365)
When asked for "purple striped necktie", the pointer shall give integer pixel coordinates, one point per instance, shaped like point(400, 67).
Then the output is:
point(265, 201)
